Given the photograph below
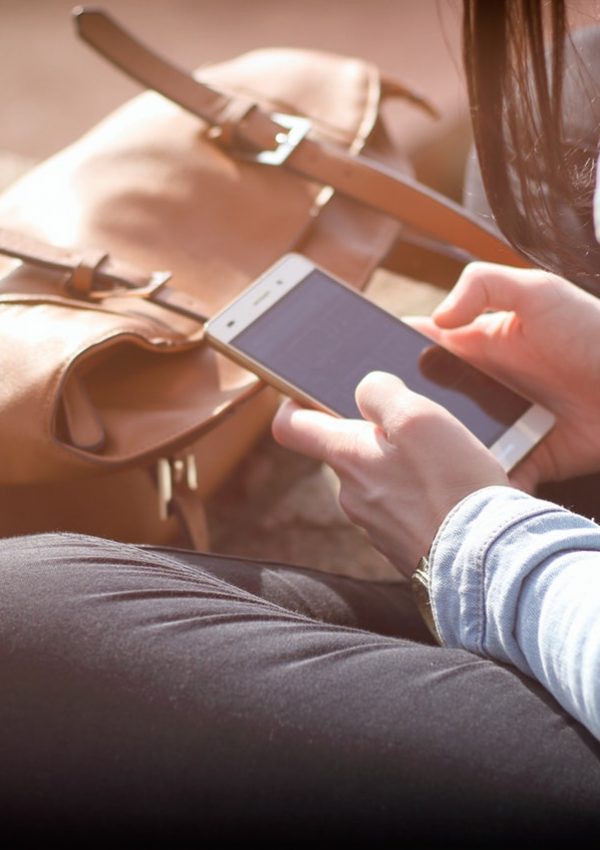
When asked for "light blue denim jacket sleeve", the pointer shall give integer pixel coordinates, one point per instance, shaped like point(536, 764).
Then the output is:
point(518, 579)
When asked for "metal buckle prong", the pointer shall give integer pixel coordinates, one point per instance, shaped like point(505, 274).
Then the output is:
point(156, 282)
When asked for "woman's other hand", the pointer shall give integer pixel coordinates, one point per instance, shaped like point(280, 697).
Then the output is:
point(401, 470)
point(544, 340)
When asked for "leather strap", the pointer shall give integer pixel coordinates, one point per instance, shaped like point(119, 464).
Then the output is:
point(94, 275)
point(189, 508)
point(372, 184)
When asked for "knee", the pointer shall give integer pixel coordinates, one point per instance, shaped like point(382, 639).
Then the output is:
point(46, 577)
point(48, 564)
point(51, 550)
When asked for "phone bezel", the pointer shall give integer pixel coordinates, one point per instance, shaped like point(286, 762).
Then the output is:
point(511, 447)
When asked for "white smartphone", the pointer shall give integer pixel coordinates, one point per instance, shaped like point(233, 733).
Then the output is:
point(314, 338)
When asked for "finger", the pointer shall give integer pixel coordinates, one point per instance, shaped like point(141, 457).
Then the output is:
point(469, 342)
point(482, 327)
point(524, 480)
point(527, 475)
point(486, 286)
point(311, 432)
point(424, 325)
point(476, 343)
point(383, 399)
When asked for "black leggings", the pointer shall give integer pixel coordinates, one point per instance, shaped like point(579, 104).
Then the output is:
point(176, 697)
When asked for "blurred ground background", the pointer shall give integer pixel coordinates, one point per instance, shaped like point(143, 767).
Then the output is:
point(53, 88)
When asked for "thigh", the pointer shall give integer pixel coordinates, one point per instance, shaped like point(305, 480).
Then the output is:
point(149, 696)
point(386, 607)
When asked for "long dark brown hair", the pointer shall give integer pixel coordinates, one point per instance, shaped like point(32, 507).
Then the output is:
point(539, 182)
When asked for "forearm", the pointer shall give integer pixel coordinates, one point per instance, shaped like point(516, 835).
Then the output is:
point(518, 579)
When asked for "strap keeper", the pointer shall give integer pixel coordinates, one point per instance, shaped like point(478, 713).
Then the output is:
point(81, 279)
point(225, 131)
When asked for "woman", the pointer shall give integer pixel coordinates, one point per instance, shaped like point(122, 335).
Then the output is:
point(160, 694)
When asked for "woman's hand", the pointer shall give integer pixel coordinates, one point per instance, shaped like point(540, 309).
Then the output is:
point(545, 342)
point(401, 470)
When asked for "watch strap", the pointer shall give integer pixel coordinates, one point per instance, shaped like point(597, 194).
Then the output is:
point(420, 584)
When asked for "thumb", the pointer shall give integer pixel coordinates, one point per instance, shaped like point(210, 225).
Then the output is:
point(486, 286)
point(384, 400)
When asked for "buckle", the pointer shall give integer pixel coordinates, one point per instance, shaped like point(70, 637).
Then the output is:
point(296, 128)
point(169, 473)
point(156, 282)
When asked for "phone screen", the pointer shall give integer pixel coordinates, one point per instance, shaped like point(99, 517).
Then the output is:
point(324, 338)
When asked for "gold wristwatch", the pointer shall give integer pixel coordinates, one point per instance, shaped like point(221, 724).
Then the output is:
point(420, 587)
